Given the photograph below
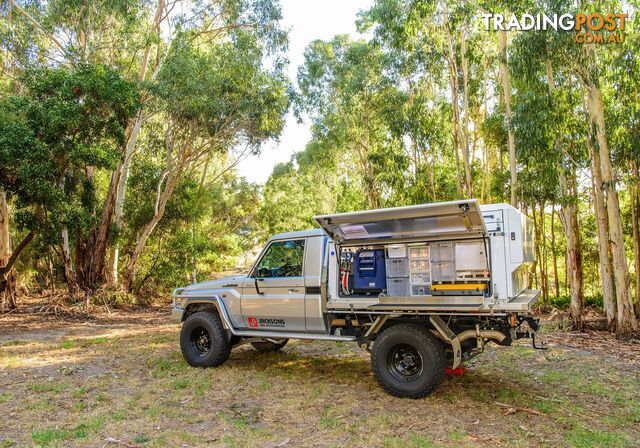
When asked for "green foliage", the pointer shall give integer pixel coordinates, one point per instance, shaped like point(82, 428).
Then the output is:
point(237, 102)
point(62, 126)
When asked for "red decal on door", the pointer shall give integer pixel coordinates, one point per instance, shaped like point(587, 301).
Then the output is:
point(253, 322)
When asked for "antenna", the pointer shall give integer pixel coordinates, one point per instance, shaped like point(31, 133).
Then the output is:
point(193, 237)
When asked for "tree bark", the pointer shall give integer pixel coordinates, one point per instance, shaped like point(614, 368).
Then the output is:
point(69, 274)
point(556, 280)
point(602, 228)
point(544, 278)
point(120, 195)
point(569, 210)
point(626, 320)
point(534, 268)
point(161, 202)
point(8, 280)
point(506, 87)
point(453, 86)
point(574, 252)
point(635, 220)
point(466, 157)
point(5, 269)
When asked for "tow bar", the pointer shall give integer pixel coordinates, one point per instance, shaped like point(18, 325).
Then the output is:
point(538, 343)
point(542, 344)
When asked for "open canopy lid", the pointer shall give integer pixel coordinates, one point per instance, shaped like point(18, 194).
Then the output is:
point(455, 219)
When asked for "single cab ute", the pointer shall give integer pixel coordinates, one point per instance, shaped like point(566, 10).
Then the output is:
point(421, 287)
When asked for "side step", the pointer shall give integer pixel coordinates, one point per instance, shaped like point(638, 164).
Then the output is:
point(285, 335)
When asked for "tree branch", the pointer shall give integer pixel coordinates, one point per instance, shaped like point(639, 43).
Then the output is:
point(16, 253)
point(39, 27)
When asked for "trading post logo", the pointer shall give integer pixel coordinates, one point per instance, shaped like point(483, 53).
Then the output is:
point(588, 28)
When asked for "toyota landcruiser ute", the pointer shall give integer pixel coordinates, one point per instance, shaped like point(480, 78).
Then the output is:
point(422, 288)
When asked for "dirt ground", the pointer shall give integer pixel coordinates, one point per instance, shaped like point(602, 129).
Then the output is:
point(119, 380)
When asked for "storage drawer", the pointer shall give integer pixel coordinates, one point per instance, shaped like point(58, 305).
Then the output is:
point(420, 278)
point(420, 266)
point(397, 267)
point(419, 252)
point(420, 290)
point(398, 286)
point(397, 251)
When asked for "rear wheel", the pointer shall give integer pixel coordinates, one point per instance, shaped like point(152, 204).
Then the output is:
point(268, 346)
point(204, 341)
point(408, 361)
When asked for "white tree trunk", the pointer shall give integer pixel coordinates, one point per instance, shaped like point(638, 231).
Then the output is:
point(569, 212)
point(466, 156)
point(604, 251)
point(120, 195)
point(8, 290)
point(506, 86)
point(626, 320)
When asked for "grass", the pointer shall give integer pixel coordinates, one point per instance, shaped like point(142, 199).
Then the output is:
point(588, 438)
point(138, 389)
point(85, 342)
point(180, 383)
point(48, 436)
point(43, 387)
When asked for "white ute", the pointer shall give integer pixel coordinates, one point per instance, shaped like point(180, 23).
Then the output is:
point(421, 287)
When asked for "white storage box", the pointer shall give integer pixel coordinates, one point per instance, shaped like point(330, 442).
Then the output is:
point(398, 286)
point(420, 266)
point(397, 251)
point(419, 252)
point(397, 267)
point(420, 278)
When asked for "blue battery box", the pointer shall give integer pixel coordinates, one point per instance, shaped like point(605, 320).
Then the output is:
point(369, 274)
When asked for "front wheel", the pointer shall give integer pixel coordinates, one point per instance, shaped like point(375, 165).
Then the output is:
point(408, 361)
point(204, 341)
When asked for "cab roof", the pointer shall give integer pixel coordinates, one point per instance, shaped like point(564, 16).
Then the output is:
point(298, 234)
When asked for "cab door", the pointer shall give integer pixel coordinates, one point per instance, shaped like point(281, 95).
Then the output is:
point(273, 294)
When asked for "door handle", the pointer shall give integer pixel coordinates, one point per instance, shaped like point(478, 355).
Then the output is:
point(293, 290)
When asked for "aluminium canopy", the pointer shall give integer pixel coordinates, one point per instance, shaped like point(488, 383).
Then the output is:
point(440, 220)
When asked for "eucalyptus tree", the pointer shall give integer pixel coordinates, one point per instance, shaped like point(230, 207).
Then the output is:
point(72, 33)
point(206, 111)
point(345, 90)
point(623, 122)
point(134, 37)
point(65, 124)
point(430, 38)
point(551, 138)
point(588, 63)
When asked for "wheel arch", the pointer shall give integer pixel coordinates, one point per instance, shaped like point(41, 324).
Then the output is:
point(197, 305)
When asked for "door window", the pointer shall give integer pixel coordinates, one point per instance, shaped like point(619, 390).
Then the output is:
point(282, 259)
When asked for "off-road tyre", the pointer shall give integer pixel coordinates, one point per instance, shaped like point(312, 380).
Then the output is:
point(408, 361)
point(204, 341)
point(267, 346)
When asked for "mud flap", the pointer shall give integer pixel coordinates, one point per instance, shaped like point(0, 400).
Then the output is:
point(450, 337)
